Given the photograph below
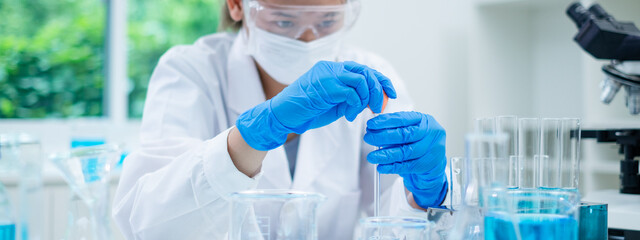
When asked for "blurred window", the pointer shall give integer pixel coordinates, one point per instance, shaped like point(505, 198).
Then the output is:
point(53, 53)
point(52, 58)
point(156, 25)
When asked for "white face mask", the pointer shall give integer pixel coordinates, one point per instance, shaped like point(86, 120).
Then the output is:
point(286, 59)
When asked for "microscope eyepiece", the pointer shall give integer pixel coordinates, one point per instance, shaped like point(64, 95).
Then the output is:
point(599, 12)
point(579, 14)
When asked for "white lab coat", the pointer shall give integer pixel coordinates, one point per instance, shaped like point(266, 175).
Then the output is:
point(176, 186)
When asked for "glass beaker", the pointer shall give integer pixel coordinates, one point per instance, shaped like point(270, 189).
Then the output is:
point(394, 228)
point(274, 215)
point(525, 214)
point(86, 170)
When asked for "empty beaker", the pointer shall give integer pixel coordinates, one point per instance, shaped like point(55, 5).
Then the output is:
point(86, 170)
point(274, 215)
point(394, 228)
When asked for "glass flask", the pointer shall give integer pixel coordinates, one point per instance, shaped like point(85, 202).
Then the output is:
point(274, 215)
point(394, 228)
point(86, 170)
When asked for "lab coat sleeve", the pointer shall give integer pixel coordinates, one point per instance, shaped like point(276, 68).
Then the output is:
point(176, 186)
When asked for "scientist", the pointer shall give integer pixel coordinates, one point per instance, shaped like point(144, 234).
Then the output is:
point(258, 108)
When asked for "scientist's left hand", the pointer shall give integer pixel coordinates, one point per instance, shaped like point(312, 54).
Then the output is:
point(413, 146)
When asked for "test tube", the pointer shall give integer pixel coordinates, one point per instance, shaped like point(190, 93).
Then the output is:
point(509, 125)
point(550, 153)
point(376, 185)
point(457, 180)
point(485, 125)
point(484, 152)
point(528, 151)
point(570, 159)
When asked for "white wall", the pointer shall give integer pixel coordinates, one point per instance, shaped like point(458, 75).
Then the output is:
point(465, 59)
point(425, 40)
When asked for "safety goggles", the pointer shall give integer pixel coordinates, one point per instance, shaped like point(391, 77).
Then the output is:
point(294, 20)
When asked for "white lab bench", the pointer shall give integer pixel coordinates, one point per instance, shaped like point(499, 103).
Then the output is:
point(56, 202)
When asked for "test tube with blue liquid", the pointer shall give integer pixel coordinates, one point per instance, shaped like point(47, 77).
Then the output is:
point(21, 155)
point(540, 207)
point(7, 222)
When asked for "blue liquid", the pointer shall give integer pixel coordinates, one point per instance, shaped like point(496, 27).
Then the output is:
point(593, 221)
point(531, 226)
point(86, 142)
point(7, 231)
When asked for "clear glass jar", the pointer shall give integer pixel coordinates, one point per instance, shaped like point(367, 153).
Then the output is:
point(394, 228)
point(274, 214)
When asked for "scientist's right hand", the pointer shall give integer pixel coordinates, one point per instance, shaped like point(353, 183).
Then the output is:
point(324, 94)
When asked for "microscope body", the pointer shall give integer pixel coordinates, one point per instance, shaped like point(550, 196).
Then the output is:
point(602, 36)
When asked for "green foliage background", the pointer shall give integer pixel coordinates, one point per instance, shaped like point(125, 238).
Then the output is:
point(154, 27)
point(51, 58)
point(52, 52)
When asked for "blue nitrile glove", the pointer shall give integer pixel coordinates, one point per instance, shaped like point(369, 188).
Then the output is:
point(413, 146)
point(324, 94)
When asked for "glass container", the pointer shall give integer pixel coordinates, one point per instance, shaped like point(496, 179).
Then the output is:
point(274, 215)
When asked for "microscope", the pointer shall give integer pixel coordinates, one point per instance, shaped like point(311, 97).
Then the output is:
point(606, 38)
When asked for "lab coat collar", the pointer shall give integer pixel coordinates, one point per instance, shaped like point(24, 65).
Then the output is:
point(244, 89)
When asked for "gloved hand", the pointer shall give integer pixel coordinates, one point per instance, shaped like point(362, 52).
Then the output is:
point(413, 146)
point(324, 94)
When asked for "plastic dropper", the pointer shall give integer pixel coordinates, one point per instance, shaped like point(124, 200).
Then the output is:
point(376, 180)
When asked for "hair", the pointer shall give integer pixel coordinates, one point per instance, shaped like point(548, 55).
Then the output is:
point(226, 22)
